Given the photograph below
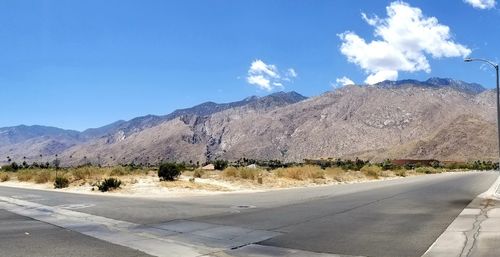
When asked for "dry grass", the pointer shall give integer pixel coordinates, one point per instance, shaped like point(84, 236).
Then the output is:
point(25, 175)
point(198, 173)
point(241, 173)
point(192, 185)
point(80, 175)
point(230, 179)
point(4, 176)
point(429, 170)
point(43, 177)
point(338, 174)
point(372, 171)
point(301, 172)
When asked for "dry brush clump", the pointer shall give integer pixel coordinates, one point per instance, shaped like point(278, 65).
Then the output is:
point(242, 173)
point(372, 171)
point(43, 177)
point(429, 170)
point(4, 176)
point(301, 172)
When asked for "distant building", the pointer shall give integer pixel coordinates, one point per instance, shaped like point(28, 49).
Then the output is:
point(208, 167)
point(252, 166)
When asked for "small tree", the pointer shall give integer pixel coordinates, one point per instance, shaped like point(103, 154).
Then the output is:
point(169, 171)
point(14, 166)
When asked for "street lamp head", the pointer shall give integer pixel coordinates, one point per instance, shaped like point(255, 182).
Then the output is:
point(468, 60)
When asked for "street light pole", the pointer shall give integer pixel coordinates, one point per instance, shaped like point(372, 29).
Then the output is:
point(495, 65)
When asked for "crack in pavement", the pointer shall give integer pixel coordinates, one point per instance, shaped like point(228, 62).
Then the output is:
point(472, 235)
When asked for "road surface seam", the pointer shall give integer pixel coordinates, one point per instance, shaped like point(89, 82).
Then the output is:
point(195, 243)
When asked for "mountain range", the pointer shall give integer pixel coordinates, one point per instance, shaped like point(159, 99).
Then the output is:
point(439, 118)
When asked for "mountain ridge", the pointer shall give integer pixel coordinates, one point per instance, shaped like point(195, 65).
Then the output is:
point(471, 88)
point(391, 119)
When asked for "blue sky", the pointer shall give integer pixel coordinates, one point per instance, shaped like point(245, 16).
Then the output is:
point(80, 64)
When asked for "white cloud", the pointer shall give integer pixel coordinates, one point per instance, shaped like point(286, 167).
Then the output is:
point(344, 81)
point(404, 40)
point(482, 4)
point(292, 73)
point(267, 76)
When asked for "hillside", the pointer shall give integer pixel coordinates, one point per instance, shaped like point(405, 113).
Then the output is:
point(438, 118)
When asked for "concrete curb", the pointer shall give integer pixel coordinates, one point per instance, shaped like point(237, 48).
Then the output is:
point(476, 230)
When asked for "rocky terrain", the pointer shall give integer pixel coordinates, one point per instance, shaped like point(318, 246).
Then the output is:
point(439, 118)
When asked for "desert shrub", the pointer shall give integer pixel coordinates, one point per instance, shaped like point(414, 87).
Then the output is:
point(109, 184)
point(42, 177)
point(409, 166)
point(483, 165)
point(4, 177)
point(428, 170)
point(372, 171)
point(400, 173)
point(61, 182)
point(169, 171)
point(387, 165)
point(436, 164)
point(25, 175)
point(198, 173)
point(220, 164)
point(13, 167)
point(230, 172)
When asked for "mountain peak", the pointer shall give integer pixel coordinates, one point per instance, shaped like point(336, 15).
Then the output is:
point(436, 82)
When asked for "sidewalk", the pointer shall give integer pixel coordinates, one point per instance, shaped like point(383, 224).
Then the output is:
point(475, 232)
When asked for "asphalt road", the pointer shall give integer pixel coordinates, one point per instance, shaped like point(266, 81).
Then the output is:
point(21, 237)
point(400, 217)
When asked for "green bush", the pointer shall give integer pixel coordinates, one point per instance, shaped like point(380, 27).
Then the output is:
point(169, 171)
point(109, 184)
point(13, 167)
point(220, 164)
point(387, 165)
point(61, 182)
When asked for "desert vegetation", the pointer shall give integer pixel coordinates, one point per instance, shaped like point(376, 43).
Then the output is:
point(243, 173)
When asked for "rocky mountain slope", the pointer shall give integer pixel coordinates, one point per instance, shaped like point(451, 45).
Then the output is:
point(439, 118)
point(31, 141)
